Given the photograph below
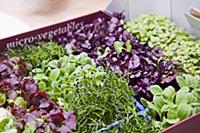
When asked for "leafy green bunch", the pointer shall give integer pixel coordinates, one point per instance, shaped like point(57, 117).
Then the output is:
point(7, 121)
point(18, 101)
point(99, 96)
point(178, 45)
point(58, 76)
point(188, 54)
point(35, 54)
point(169, 107)
point(156, 30)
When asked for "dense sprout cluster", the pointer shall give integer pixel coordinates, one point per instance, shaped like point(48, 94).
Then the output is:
point(111, 46)
point(34, 111)
point(93, 70)
point(188, 54)
point(95, 37)
point(156, 30)
point(177, 44)
point(35, 54)
point(99, 96)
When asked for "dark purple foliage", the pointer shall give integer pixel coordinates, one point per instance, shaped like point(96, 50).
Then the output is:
point(95, 37)
point(39, 105)
point(9, 77)
point(69, 119)
point(30, 117)
point(56, 116)
point(143, 65)
point(28, 86)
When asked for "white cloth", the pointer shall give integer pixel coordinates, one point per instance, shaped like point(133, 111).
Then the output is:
point(10, 26)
